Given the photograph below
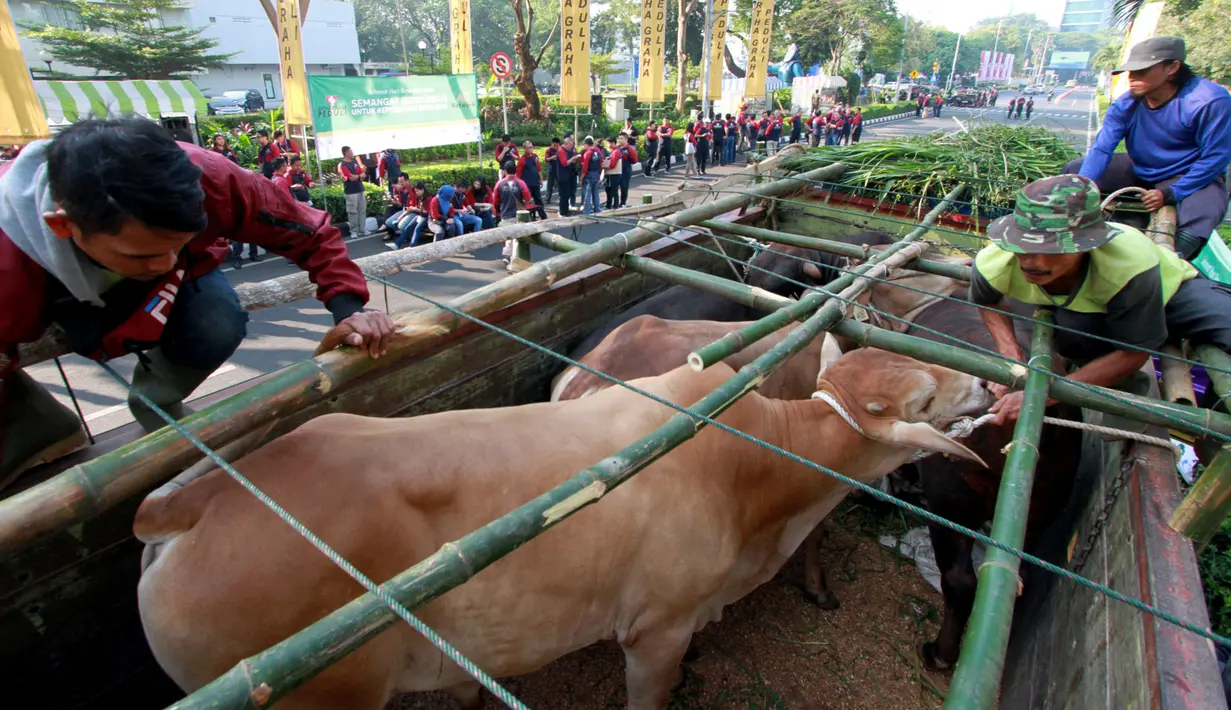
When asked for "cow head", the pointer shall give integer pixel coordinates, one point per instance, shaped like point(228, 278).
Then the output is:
point(901, 401)
point(781, 269)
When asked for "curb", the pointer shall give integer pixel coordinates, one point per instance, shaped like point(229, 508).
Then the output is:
point(886, 119)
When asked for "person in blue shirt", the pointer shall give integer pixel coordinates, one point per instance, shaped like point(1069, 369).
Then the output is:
point(1177, 129)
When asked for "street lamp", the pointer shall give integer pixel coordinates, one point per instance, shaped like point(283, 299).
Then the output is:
point(423, 49)
point(46, 57)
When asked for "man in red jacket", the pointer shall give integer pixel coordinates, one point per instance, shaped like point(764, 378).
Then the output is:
point(113, 233)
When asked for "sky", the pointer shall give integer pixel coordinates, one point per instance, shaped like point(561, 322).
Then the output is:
point(961, 15)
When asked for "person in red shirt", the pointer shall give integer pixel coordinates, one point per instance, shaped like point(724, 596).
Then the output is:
point(665, 131)
point(591, 167)
point(266, 152)
point(286, 146)
point(281, 170)
point(301, 181)
point(413, 219)
point(352, 173)
point(627, 157)
point(857, 125)
point(566, 174)
point(440, 213)
point(530, 171)
point(690, 150)
point(704, 135)
point(221, 147)
point(549, 156)
point(114, 232)
point(511, 194)
point(480, 199)
point(506, 150)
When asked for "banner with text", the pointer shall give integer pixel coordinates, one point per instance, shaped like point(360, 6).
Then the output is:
point(995, 66)
point(759, 37)
point(372, 113)
point(575, 53)
point(296, 110)
point(459, 47)
point(718, 41)
point(650, 69)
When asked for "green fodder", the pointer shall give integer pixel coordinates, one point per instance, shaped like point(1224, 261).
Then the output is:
point(995, 160)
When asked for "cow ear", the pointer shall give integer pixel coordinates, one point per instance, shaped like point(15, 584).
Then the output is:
point(920, 435)
point(812, 270)
point(830, 352)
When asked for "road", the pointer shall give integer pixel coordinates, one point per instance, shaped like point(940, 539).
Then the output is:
point(278, 337)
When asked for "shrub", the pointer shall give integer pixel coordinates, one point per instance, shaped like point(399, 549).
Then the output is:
point(853, 83)
point(333, 198)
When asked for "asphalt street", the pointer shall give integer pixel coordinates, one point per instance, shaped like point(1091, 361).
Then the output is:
point(278, 337)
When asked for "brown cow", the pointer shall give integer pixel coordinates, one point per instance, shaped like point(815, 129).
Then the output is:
point(649, 565)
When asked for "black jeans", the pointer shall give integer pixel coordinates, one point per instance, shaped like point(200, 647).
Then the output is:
point(568, 190)
point(651, 151)
point(1200, 311)
point(703, 155)
point(625, 179)
point(551, 184)
point(612, 187)
point(1199, 214)
point(537, 195)
point(664, 154)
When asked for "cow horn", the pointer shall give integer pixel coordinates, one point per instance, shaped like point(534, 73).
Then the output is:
point(920, 435)
point(830, 352)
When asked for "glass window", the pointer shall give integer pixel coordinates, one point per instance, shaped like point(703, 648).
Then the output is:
point(269, 85)
point(1087, 6)
point(61, 16)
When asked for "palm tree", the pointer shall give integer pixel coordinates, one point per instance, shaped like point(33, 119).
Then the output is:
point(1123, 12)
point(603, 66)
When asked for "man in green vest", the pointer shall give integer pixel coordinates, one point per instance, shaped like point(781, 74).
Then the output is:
point(1103, 279)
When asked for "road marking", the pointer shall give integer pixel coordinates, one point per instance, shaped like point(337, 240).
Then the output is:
point(121, 407)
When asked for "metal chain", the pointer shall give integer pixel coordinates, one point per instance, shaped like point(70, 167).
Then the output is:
point(870, 490)
point(1096, 529)
point(376, 590)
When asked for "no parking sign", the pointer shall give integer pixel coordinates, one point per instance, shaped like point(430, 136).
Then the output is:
point(502, 65)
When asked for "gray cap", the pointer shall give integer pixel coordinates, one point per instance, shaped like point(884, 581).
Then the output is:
point(1154, 50)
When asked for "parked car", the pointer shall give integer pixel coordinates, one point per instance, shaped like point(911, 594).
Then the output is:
point(237, 101)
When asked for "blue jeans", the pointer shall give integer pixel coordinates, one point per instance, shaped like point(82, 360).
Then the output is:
point(589, 195)
point(206, 324)
point(463, 220)
point(410, 231)
point(728, 149)
point(487, 219)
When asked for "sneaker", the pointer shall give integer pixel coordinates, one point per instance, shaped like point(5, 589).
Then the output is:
point(391, 246)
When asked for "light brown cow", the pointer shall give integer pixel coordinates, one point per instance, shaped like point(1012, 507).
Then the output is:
point(648, 565)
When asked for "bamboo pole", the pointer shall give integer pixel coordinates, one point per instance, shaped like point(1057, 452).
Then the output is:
point(1207, 503)
point(736, 341)
point(981, 664)
point(1177, 378)
point(731, 290)
point(927, 266)
point(297, 286)
point(1121, 404)
point(90, 488)
point(280, 669)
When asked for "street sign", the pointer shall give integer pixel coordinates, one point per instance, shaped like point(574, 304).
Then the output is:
point(914, 74)
point(502, 65)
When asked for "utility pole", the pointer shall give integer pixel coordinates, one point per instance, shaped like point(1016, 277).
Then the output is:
point(953, 69)
point(705, 70)
point(897, 86)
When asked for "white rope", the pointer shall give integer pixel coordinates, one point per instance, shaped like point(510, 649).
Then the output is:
point(833, 402)
point(966, 426)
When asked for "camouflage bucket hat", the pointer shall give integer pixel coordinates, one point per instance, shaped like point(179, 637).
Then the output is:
point(1055, 215)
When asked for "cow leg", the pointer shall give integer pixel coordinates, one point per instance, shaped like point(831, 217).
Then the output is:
point(957, 584)
point(652, 668)
point(469, 695)
point(815, 583)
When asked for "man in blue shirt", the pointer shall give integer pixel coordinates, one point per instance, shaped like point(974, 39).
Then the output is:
point(1177, 129)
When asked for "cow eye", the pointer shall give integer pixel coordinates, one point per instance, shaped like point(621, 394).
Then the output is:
point(927, 403)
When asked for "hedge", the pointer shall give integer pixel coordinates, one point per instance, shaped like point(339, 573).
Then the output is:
point(378, 199)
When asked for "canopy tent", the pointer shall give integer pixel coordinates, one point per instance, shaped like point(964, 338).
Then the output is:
point(64, 102)
point(20, 120)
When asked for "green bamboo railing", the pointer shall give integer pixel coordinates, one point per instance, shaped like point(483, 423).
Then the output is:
point(1189, 419)
point(86, 490)
point(980, 667)
point(731, 290)
point(280, 669)
point(1208, 502)
point(733, 342)
point(927, 266)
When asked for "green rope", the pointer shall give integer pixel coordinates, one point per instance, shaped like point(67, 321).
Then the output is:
point(961, 343)
point(870, 490)
point(378, 591)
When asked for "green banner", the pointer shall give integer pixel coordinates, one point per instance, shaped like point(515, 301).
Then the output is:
point(372, 113)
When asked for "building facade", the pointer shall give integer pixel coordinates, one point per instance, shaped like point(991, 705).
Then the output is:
point(330, 41)
point(1087, 15)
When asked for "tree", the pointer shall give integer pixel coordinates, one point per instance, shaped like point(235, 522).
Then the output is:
point(832, 29)
point(128, 39)
point(1207, 35)
point(529, 60)
point(602, 66)
point(1108, 57)
point(681, 37)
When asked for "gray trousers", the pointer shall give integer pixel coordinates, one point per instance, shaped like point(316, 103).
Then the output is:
point(1199, 213)
point(356, 212)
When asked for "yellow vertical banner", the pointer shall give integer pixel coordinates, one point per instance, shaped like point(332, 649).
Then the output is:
point(718, 42)
point(295, 107)
point(575, 53)
point(21, 118)
point(459, 48)
point(759, 37)
point(1141, 28)
point(650, 70)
